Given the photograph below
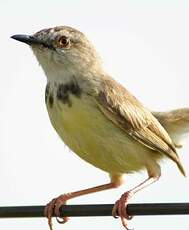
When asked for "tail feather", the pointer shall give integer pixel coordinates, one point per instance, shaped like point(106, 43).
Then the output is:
point(181, 168)
point(176, 123)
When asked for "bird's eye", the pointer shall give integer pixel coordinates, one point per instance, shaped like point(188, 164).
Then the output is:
point(63, 42)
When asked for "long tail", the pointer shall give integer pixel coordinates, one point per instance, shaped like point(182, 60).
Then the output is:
point(176, 122)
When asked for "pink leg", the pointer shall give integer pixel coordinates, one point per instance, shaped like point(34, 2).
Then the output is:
point(119, 208)
point(54, 205)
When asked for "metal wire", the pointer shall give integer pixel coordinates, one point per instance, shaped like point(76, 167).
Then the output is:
point(97, 210)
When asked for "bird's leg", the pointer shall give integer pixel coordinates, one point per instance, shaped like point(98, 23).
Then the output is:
point(119, 209)
point(53, 206)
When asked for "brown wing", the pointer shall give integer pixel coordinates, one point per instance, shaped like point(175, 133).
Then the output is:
point(123, 109)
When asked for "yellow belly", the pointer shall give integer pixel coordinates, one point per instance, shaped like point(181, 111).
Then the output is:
point(87, 132)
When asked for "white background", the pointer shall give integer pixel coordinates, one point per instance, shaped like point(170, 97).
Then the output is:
point(145, 46)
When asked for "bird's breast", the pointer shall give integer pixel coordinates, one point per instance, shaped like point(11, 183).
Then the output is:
point(86, 131)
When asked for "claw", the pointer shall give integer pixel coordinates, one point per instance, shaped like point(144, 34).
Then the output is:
point(119, 209)
point(53, 207)
point(62, 220)
point(114, 210)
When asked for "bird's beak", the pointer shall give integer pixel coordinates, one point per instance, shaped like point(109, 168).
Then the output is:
point(28, 39)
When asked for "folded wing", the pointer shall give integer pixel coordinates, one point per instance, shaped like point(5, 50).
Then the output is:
point(124, 110)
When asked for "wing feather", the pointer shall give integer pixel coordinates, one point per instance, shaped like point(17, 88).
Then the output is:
point(124, 110)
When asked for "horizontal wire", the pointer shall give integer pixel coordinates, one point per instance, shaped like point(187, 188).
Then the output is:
point(97, 210)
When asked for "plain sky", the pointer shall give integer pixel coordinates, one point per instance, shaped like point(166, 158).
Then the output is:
point(145, 46)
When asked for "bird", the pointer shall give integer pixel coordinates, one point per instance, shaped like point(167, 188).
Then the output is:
point(99, 119)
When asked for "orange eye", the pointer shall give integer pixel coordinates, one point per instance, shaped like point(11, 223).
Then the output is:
point(63, 42)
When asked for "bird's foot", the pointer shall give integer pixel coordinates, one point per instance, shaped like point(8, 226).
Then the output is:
point(53, 207)
point(119, 209)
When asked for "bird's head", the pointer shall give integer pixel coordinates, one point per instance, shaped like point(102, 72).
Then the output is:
point(62, 48)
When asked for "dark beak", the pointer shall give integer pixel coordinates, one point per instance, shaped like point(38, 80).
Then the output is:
point(28, 39)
